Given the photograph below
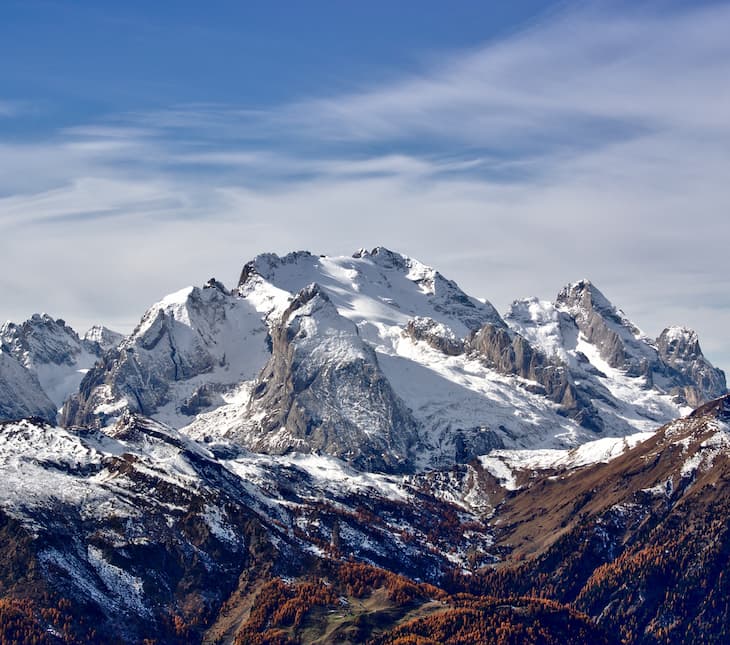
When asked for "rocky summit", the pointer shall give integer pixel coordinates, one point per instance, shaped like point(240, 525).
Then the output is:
point(352, 449)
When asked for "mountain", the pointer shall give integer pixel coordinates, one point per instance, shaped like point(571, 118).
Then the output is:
point(142, 523)
point(103, 337)
point(639, 542)
point(612, 363)
point(187, 351)
point(140, 532)
point(21, 395)
point(413, 372)
point(54, 355)
point(352, 449)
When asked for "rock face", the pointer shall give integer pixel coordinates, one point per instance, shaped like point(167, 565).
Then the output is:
point(674, 362)
point(437, 335)
point(510, 353)
point(592, 337)
point(323, 391)
point(186, 347)
point(385, 363)
point(42, 340)
point(619, 342)
point(103, 337)
point(54, 353)
point(696, 379)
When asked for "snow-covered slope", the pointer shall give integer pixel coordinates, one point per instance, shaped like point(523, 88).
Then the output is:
point(378, 358)
point(376, 290)
point(630, 378)
point(137, 521)
point(21, 395)
point(188, 350)
point(54, 353)
point(103, 337)
point(505, 465)
point(323, 391)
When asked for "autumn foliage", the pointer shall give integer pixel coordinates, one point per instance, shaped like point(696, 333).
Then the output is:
point(283, 609)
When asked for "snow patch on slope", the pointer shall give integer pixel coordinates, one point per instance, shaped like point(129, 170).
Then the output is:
point(505, 464)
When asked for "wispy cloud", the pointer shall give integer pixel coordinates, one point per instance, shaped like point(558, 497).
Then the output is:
point(596, 143)
point(585, 71)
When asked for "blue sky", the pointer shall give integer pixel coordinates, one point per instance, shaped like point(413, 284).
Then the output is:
point(515, 146)
point(76, 60)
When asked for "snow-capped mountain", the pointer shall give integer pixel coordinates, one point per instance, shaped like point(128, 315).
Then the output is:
point(139, 521)
point(379, 359)
point(103, 337)
point(635, 537)
point(187, 351)
point(330, 413)
point(627, 376)
point(54, 355)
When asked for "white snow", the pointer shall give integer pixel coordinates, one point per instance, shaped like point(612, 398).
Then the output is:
point(504, 464)
point(384, 288)
point(678, 333)
point(499, 469)
point(716, 444)
point(215, 520)
point(538, 321)
point(220, 339)
point(124, 587)
point(639, 406)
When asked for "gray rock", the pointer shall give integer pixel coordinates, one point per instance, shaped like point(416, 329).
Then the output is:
point(603, 325)
point(53, 352)
point(695, 380)
point(673, 363)
point(41, 340)
point(182, 338)
point(100, 339)
point(324, 392)
point(436, 335)
point(509, 353)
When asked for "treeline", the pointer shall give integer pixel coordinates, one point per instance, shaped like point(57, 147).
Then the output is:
point(46, 621)
point(284, 609)
point(665, 582)
point(497, 622)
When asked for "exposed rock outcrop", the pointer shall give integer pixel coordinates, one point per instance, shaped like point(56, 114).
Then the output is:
point(54, 354)
point(673, 363)
point(695, 379)
point(509, 353)
point(193, 338)
point(620, 343)
point(437, 335)
point(102, 338)
point(323, 392)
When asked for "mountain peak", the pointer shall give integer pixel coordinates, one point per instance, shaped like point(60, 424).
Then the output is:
point(104, 337)
point(41, 339)
point(216, 284)
point(584, 301)
point(586, 296)
point(265, 264)
point(679, 342)
point(391, 259)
